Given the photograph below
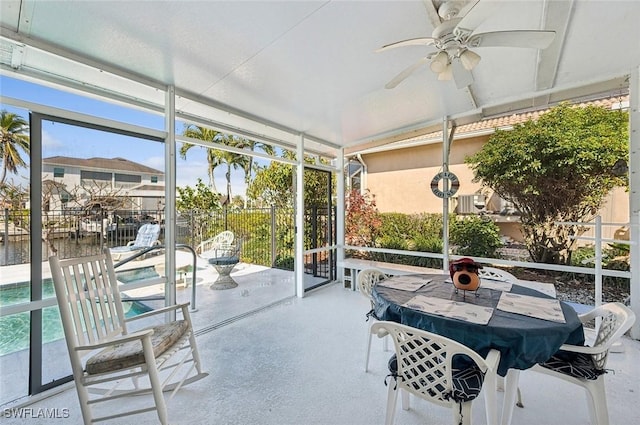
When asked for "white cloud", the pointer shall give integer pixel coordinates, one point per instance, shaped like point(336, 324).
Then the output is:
point(156, 162)
point(51, 145)
point(189, 171)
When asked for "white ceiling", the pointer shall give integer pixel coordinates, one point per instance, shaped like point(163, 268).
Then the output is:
point(281, 68)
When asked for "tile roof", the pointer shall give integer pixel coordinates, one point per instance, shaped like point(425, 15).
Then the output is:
point(489, 125)
point(115, 164)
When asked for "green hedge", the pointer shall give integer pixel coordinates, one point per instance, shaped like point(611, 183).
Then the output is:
point(473, 236)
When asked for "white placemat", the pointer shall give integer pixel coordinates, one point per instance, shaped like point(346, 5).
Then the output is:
point(405, 283)
point(453, 309)
point(545, 288)
point(540, 308)
point(496, 285)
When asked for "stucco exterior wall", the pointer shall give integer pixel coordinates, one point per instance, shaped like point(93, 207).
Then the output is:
point(400, 181)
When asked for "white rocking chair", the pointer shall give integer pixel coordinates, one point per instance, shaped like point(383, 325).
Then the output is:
point(103, 351)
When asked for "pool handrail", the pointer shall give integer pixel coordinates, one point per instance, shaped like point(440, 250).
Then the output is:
point(142, 252)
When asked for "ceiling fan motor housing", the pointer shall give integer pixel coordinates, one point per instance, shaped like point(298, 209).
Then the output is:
point(444, 36)
point(450, 9)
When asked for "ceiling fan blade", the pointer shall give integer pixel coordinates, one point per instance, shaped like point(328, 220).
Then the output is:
point(420, 41)
point(461, 75)
point(473, 16)
point(404, 74)
point(536, 39)
point(432, 13)
point(467, 8)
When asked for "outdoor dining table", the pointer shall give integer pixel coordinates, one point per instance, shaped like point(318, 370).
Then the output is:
point(525, 325)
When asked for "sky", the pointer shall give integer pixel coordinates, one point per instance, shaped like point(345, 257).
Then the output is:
point(65, 140)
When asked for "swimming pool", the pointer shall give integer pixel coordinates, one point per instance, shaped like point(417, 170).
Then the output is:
point(15, 328)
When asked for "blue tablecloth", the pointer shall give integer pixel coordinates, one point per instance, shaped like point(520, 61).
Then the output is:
point(522, 341)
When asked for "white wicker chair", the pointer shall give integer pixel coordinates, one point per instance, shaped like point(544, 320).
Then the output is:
point(211, 247)
point(439, 370)
point(105, 356)
point(586, 366)
point(367, 278)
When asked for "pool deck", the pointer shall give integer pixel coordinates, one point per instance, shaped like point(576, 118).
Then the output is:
point(19, 273)
point(259, 287)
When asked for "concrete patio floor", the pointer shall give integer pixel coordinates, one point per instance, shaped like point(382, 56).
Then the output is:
point(300, 361)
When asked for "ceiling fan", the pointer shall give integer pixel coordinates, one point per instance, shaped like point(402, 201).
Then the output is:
point(453, 38)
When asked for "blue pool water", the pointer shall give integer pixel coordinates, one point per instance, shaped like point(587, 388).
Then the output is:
point(15, 328)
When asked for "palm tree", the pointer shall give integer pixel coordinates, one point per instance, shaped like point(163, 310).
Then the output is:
point(248, 164)
point(213, 155)
point(15, 137)
point(217, 157)
point(252, 146)
point(231, 159)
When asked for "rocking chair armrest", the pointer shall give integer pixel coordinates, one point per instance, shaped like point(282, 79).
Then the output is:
point(182, 306)
point(120, 340)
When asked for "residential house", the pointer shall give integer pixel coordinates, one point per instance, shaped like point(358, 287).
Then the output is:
point(84, 182)
point(392, 171)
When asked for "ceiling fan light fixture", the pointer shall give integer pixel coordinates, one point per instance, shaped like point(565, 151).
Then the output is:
point(446, 74)
point(469, 59)
point(439, 62)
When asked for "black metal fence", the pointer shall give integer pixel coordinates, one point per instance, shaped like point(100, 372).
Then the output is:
point(268, 234)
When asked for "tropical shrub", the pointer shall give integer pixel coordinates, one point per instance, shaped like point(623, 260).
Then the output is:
point(558, 168)
point(475, 236)
point(362, 219)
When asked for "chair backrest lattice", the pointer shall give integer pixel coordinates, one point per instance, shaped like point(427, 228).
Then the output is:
point(368, 278)
point(496, 274)
point(88, 297)
point(616, 319)
point(426, 362)
point(424, 367)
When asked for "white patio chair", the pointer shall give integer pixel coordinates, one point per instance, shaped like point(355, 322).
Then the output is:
point(586, 366)
point(108, 362)
point(224, 261)
point(212, 247)
point(146, 237)
point(367, 278)
point(501, 275)
point(496, 274)
point(221, 253)
point(439, 370)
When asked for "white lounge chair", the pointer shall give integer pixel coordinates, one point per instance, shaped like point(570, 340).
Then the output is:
point(146, 237)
